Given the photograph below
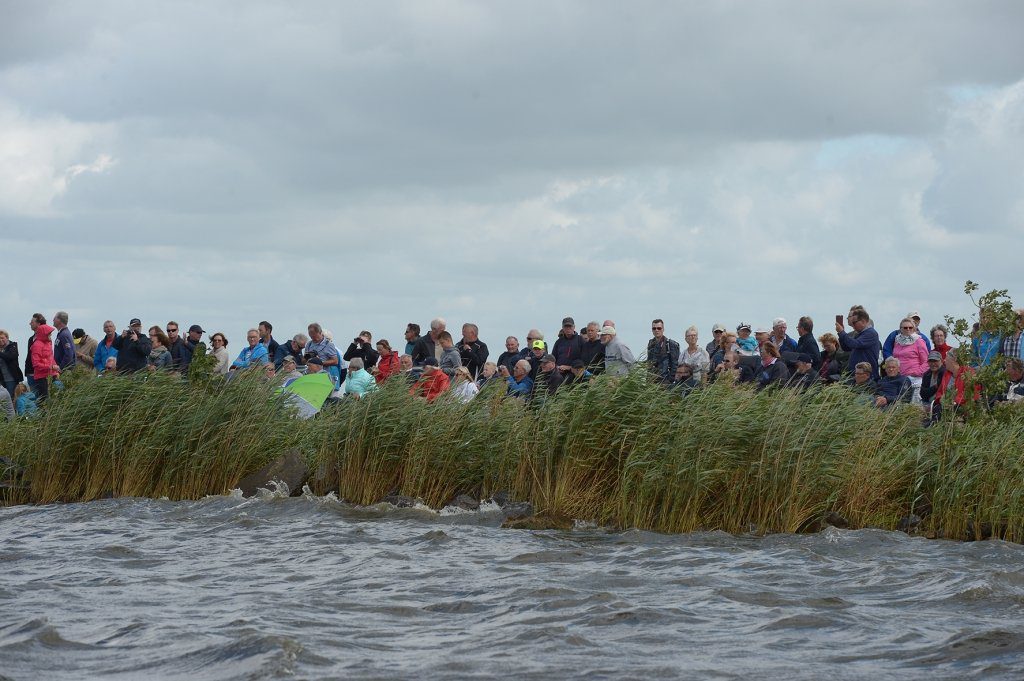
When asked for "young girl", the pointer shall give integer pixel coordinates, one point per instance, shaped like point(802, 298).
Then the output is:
point(25, 401)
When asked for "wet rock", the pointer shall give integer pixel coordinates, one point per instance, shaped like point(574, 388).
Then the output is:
point(517, 510)
point(289, 468)
point(908, 522)
point(501, 498)
point(539, 522)
point(400, 500)
point(836, 520)
point(465, 502)
point(984, 530)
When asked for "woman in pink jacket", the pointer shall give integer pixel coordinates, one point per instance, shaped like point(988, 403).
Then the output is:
point(43, 365)
point(910, 350)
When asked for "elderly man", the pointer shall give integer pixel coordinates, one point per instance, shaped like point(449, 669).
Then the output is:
point(662, 353)
point(618, 358)
point(472, 351)
point(806, 343)
point(255, 354)
point(433, 382)
point(511, 355)
point(568, 346)
point(292, 348)
point(863, 344)
point(592, 352)
point(427, 346)
point(779, 337)
point(105, 348)
point(63, 344)
point(289, 370)
point(717, 333)
point(519, 383)
point(549, 379)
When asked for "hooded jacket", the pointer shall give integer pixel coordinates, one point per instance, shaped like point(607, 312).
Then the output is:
point(42, 354)
point(388, 366)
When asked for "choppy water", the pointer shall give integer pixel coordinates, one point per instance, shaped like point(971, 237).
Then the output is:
point(227, 588)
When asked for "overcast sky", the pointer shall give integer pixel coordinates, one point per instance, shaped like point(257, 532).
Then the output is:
point(370, 164)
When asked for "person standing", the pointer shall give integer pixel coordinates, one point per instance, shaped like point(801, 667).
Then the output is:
point(44, 366)
point(863, 344)
point(266, 330)
point(695, 357)
point(181, 355)
point(85, 351)
point(10, 372)
point(618, 358)
point(568, 346)
point(133, 348)
point(105, 349)
point(662, 353)
point(472, 351)
point(806, 344)
point(64, 344)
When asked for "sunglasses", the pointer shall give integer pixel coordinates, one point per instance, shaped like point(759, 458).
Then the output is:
point(172, 331)
point(657, 328)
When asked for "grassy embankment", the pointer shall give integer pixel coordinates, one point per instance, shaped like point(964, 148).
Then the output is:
point(624, 453)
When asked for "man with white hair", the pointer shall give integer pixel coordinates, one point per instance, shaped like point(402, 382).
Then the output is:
point(255, 353)
point(64, 344)
point(427, 345)
point(779, 338)
point(618, 358)
point(592, 352)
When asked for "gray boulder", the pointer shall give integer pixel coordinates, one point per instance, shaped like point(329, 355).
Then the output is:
point(289, 468)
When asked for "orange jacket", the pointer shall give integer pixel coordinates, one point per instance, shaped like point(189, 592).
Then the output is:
point(431, 386)
point(960, 386)
point(388, 366)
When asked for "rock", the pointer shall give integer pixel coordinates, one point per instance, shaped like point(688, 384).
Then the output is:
point(984, 530)
point(400, 501)
point(501, 498)
point(465, 502)
point(836, 520)
point(908, 522)
point(539, 522)
point(517, 510)
point(289, 468)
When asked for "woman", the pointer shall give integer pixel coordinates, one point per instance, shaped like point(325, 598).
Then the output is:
point(464, 388)
point(939, 333)
point(695, 356)
point(893, 386)
point(833, 359)
point(930, 384)
point(220, 353)
point(773, 369)
point(159, 356)
point(41, 353)
point(912, 355)
point(388, 365)
point(952, 392)
point(10, 372)
point(358, 380)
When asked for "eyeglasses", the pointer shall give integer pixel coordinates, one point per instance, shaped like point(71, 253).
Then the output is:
point(718, 331)
point(172, 330)
point(657, 328)
point(906, 328)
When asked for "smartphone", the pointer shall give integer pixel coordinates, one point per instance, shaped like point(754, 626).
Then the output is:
point(839, 319)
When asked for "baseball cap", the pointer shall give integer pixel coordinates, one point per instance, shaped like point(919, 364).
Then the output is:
point(743, 325)
point(804, 358)
point(135, 322)
point(195, 328)
point(430, 362)
point(547, 358)
point(568, 321)
point(607, 330)
point(935, 354)
point(718, 327)
point(538, 344)
point(315, 359)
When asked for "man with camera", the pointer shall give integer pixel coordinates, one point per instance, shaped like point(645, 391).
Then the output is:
point(133, 348)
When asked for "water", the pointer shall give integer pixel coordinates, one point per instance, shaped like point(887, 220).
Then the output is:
point(231, 588)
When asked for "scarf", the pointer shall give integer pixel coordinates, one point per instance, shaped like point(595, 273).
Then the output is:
point(906, 340)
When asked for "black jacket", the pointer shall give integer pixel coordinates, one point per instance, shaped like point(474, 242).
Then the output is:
point(133, 355)
point(181, 355)
point(509, 359)
point(662, 358)
point(424, 348)
point(807, 345)
point(547, 382)
point(776, 373)
point(363, 351)
point(592, 354)
point(930, 388)
point(802, 381)
point(9, 356)
point(567, 350)
point(473, 358)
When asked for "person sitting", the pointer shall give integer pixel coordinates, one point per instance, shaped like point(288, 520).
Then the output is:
point(464, 388)
point(314, 364)
point(110, 366)
point(592, 351)
point(450, 359)
point(578, 374)
point(409, 371)
point(930, 383)
point(358, 381)
point(536, 350)
point(862, 381)
point(726, 344)
point(25, 401)
point(893, 387)
point(735, 368)
point(323, 347)
point(662, 353)
point(360, 347)
point(780, 338)
point(289, 370)
point(432, 383)
point(388, 365)
point(160, 354)
point(774, 371)
point(519, 383)
point(747, 344)
point(292, 348)
point(684, 382)
point(252, 355)
point(549, 378)
point(489, 371)
point(804, 377)
point(953, 389)
point(1015, 375)
point(834, 360)
point(695, 356)
point(220, 353)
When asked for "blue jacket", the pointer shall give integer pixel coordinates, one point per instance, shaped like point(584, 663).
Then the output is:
point(895, 389)
point(64, 350)
point(523, 388)
point(26, 405)
point(986, 346)
point(249, 356)
point(890, 341)
point(103, 353)
point(864, 347)
point(359, 382)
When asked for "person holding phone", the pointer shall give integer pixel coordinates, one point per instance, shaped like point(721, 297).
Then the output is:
point(863, 343)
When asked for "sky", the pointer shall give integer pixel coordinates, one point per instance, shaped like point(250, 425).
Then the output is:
point(365, 165)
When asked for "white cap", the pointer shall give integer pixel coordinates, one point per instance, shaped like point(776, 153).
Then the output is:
point(607, 330)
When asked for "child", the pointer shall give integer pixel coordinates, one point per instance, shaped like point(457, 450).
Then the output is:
point(25, 401)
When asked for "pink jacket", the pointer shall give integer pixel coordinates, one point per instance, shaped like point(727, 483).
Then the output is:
point(42, 353)
point(913, 358)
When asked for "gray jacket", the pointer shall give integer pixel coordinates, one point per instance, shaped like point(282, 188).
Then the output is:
point(6, 404)
point(450, 361)
point(618, 358)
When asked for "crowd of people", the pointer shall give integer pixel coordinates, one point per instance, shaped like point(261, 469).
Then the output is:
point(907, 366)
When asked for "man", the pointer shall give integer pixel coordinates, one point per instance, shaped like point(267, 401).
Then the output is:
point(321, 346)
point(662, 353)
point(194, 343)
point(181, 355)
point(511, 355)
point(761, 336)
point(578, 374)
point(64, 344)
point(537, 350)
point(862, 344)
point(618, 358)
point(450, 359)
point(293, 348)
point(254, 355)
point(549, 379)
point(412, 336)
point(717, 332)
point(133, 348)
point(289, 369)
point(747, 345)
point(930, 382)
point(106, 348)
point(433, 382)
point(890, 340)
point(362, 347)
point(779, 336)
point(1012, 348)
point(568, 346)
point(410, 371)
point(427, 346)
point(806, 343)
point(1015, 388)
point(592, 352)
point(266, 330)
point(472, 351)
point(683, 381)
point(532, 336)
point(85, 351)
point(805, 376)
point(314, 365)
point(519, 383)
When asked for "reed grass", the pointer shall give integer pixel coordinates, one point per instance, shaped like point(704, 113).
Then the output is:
point(621, 452)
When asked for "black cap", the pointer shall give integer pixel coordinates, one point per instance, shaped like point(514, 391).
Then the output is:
point(78, 333)
point(804, 357)
point(195, 328)
point(568, 321)
point(135, 322)
point(548, 358)
point(314, 359)
point(430, 362)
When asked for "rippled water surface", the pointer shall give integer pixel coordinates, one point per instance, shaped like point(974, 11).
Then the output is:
point(227, 588)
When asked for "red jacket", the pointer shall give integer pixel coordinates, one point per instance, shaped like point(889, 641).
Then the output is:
point(960, 386)
point(42, 354)
point(431, 386)
point(388, 366)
